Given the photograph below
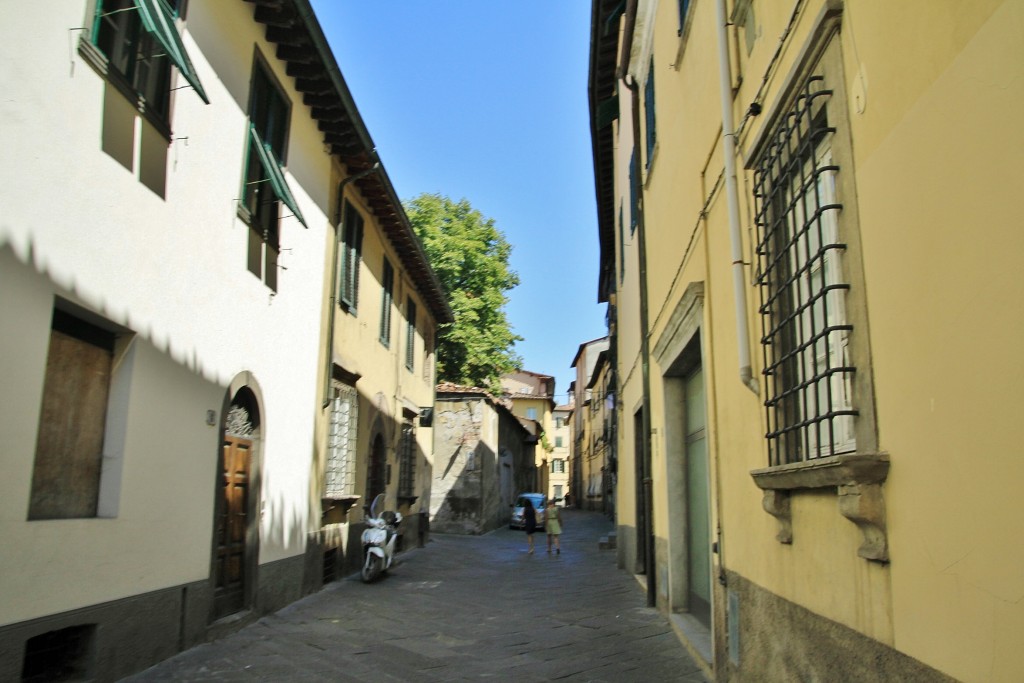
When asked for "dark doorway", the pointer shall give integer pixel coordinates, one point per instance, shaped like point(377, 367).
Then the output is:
point(376, 476)
point(642, 523)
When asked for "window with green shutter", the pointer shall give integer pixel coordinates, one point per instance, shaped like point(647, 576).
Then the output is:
point(351, 257)
point(139, 41)
point(387, 299)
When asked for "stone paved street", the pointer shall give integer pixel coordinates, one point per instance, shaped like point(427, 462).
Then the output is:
point(461, 609)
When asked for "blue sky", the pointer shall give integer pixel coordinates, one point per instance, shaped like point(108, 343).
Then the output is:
point(487, 100)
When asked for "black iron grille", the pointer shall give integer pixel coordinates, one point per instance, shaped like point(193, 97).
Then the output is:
point(803, 294)
point(406, 466)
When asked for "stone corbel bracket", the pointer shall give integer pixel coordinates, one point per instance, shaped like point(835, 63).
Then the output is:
point(857, 479)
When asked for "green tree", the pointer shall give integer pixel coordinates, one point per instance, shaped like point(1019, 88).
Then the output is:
point(470, 256)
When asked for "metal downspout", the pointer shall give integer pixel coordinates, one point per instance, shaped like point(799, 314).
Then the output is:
point(732, 200)
point(645, 353)
point(339, 231)
point(645, 349)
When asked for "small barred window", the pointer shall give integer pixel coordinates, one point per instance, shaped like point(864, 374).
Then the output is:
point(407, 462)
point(340, 473)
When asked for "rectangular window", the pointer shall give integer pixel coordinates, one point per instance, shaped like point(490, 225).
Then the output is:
point(652, 137)
point(72, 420)
point(558, 442)
point(261, 195)
point(410, 334)
point(386, 300)
point(632, 193)
point(684, 7)
point(351, 257)
point(803, 290)
point(531, 413)
point(340, 470)
point(428, 356)
point(559, 422)
point(622, 247)
point(133, 54)
point(140, 42)
point(407, 462)
point(558, 465)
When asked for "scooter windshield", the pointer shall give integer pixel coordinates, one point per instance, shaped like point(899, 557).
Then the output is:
point(377, 504)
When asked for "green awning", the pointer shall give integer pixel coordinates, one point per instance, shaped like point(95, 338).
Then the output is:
point(274, 174)
point(158, 19)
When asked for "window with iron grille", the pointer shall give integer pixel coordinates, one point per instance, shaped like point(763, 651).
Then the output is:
point(558, 465)
point(407, 462)
point(807, 365)
point(340, 472)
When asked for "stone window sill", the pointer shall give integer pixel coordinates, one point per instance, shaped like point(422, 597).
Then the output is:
point(343, 502)
point(857, 479)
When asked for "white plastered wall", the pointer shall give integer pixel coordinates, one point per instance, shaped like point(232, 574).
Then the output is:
point(79, 224)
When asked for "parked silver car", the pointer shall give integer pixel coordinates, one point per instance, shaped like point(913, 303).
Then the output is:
point(539, 501)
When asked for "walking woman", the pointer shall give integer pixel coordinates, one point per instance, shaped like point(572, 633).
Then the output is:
point(529, 521)
point(553, 524)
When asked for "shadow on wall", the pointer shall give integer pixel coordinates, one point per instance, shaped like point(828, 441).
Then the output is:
point(466, 497)
point(66, 285)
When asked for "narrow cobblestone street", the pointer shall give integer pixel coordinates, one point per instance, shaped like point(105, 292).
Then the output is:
point(461, 609)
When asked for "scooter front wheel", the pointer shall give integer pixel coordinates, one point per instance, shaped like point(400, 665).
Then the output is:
point(372, 567)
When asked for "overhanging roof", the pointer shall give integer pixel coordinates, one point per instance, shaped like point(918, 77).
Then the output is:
point(292, 26)
point(604, 42)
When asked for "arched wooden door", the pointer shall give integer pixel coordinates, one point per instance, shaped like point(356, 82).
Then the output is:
point(233, 514)
point(229, 592)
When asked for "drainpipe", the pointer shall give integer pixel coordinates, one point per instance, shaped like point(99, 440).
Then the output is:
point(645, 351)
point(334, 275)
point(732, 199)
point(645, 346)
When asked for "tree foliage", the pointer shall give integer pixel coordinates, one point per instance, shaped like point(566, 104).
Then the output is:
point(471, 258)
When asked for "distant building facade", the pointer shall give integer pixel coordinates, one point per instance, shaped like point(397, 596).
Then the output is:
point(561, 444)
point(533, 399)
point(584, 474)
point(484, 458)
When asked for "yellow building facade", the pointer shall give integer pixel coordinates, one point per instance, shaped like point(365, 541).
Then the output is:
point(532, 397)
point(374, 427)
point(589, 442)
point(815, 321)
point(561, 443)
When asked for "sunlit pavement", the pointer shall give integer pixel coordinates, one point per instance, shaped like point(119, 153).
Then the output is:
point(462, 608)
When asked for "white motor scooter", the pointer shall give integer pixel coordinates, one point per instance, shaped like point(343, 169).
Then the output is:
point(379, 539)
